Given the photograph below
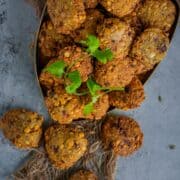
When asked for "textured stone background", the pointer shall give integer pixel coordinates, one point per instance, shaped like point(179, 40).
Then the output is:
point(159, 159)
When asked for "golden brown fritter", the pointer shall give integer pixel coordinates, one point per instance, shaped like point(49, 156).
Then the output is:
point(131, 98)
point(50, 42)
point(120, 8)
point(83, 175)
point(116, 35)
point(66, 15)
point(22, 127)
point(75, 58)
point(65, 145)
point(94, 17)
point(116, 73)
point(150, 47)
point(134, 22)
point(122, 134)
point(90, 3)
point(79, 60)
point(63, 107)
point(159, 14)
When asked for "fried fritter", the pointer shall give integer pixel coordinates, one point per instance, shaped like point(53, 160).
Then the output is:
point(94, 17)
point(50, 42)
point(90, 3)
point(158, 14)
point(116, 73)
point(63, 107)
point(120, 8)
point(22, 127)
point(116, 35)
point(79, 60)
point(75, 58)
point(122, 134)
point(65, 145)
point(150, 47)
point(66, 15)
point(83, 175)
point(131, 98)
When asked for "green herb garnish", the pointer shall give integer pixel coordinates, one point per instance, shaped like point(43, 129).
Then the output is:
point(76, 82)
point(93, 44)
point(57, 68)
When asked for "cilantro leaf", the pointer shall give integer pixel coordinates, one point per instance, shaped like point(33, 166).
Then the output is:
point(103, 56)
point(88, 108)
point(57, 68)
point(93, 87)
point(76, 81)
point(92, 43)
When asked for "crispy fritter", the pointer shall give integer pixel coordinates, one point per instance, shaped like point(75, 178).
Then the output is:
point(150, 47)
point(66, 15)
point(65, 145)
point(22, 127)
point(115, 73)
point(134, 22)
point(94, 17)
point(63, 107)
point(50, 41)
point(83, 175)
point(90, 3)
point(75, 58)
point(120, 8)
point(79, 60)
point(122, 134)
point(131, 98)
point(116, 35)
point(159, 14)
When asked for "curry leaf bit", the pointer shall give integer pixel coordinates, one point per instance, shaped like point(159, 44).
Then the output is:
point(76, 81)
point(56, 69)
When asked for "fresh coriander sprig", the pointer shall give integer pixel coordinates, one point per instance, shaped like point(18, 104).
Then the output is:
point(94, 89)
point(92, 44)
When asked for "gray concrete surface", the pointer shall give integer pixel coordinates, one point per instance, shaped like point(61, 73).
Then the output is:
point(160, 121)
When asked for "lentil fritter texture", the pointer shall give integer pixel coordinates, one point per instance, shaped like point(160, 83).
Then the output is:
point(120, 8)
point(116, 35)
point(115, 73)
point(90, 3)
point(22, 127)
point(83, 175)
point(66, 15)
point(131, 98)
point(65, 145)
point(122, 134)
point(65, 108)
point(159, 14)
point(50, 42)
point(94, 17)
point(75, 58)
point(150, 47)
